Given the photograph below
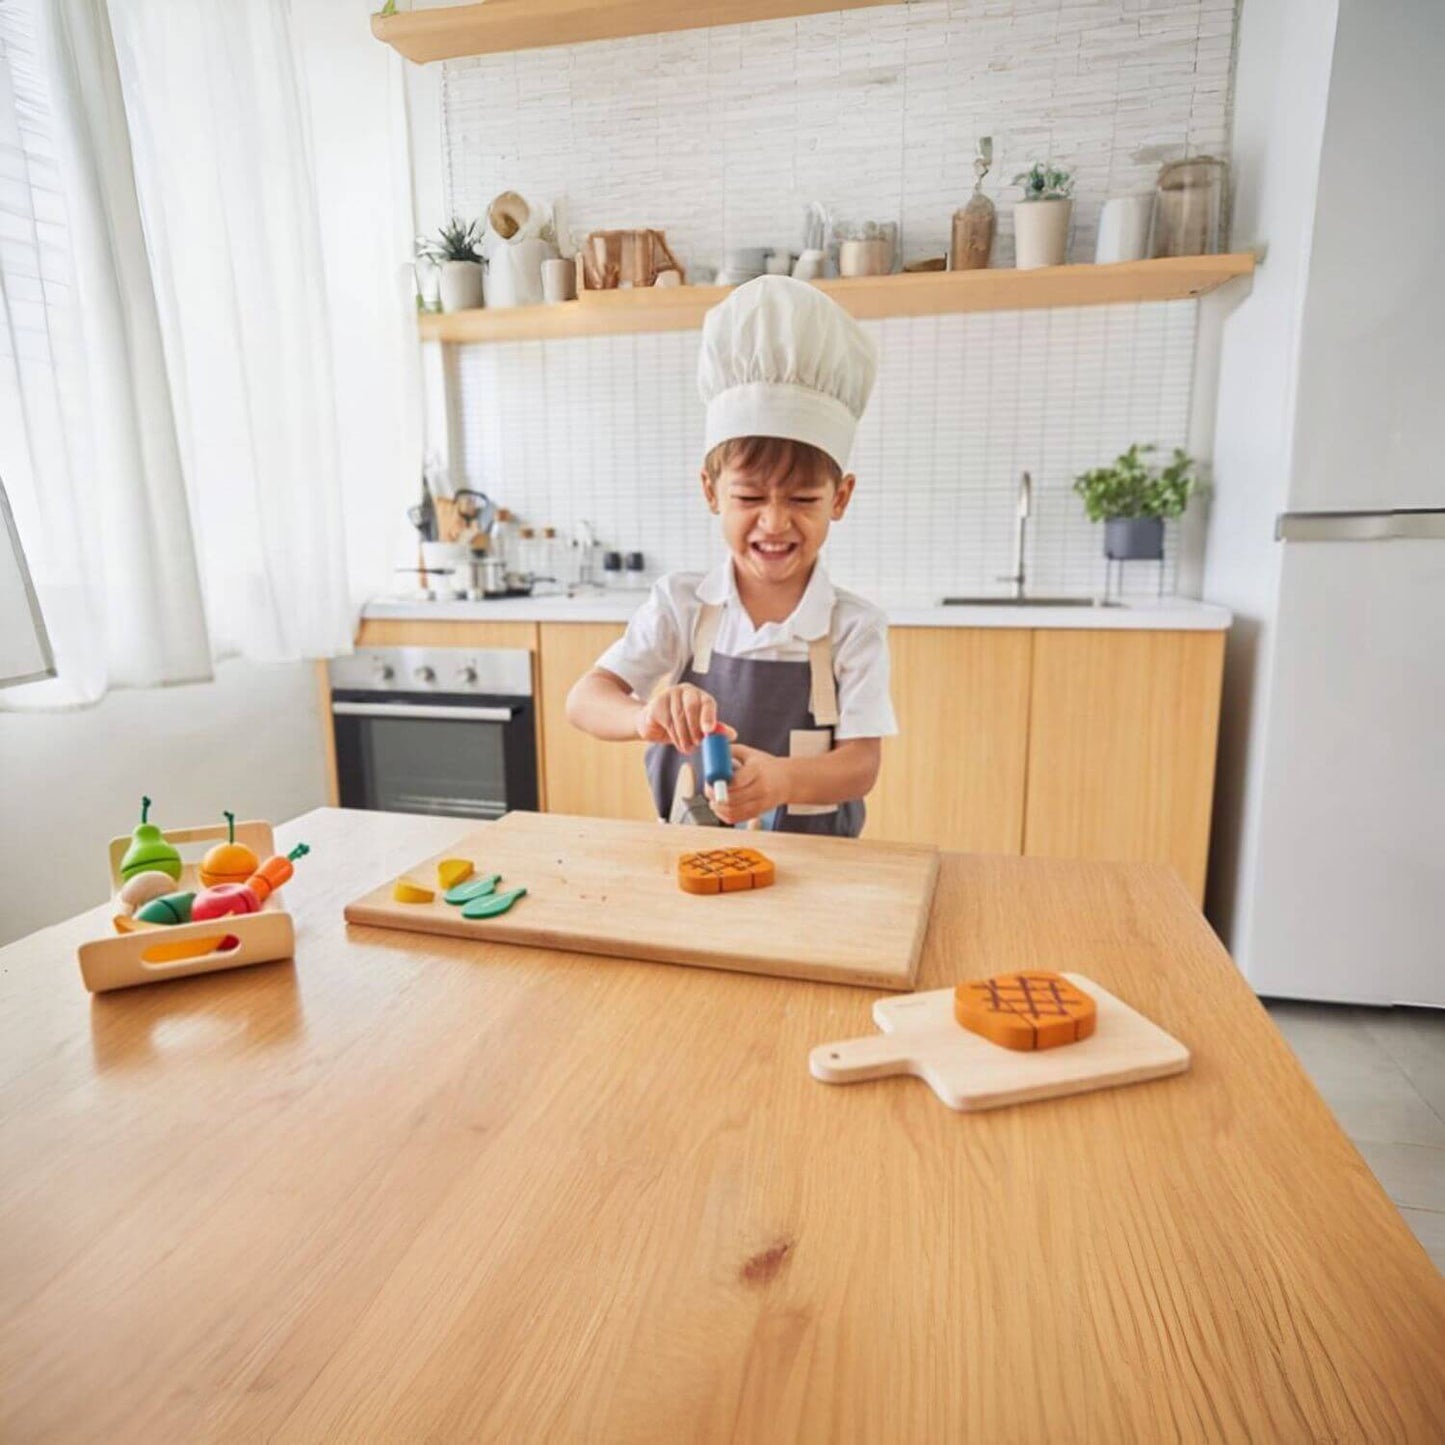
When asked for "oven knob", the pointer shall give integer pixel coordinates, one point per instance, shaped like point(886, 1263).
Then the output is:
point(467, 675)
point(384, 671)
point(425, 674)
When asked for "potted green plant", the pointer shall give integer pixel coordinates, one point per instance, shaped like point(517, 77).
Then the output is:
point(456, 251)
point(1041, 218)
point(1132, 499)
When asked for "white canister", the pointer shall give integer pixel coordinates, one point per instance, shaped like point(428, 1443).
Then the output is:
point(559, 280)
point(514, 272)
point(461, 285)
point(1041, 233)
point(1124, 229)
point(870, 257)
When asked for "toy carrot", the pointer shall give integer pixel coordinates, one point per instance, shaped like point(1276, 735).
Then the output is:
point(275, 872)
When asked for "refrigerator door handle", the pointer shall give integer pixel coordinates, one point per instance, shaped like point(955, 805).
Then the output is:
point(1415, 524)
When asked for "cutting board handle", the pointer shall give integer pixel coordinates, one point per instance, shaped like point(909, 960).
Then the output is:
point(879, 1056)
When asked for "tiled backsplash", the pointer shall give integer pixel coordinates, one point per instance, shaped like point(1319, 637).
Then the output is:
point(720, 137)
point(609, 429)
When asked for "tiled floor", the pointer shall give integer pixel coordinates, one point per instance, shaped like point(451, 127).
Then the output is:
point(1383, 1073)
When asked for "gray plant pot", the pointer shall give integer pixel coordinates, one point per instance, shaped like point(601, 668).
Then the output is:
point(1134, 539)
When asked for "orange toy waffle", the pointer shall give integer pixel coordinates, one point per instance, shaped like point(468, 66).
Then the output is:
point(1025, 1010)
point(724, 870)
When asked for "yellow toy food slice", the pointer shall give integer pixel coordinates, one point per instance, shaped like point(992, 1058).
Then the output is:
point(405, 891)
point(190, 948)
point(124, 923)
point(451, 871)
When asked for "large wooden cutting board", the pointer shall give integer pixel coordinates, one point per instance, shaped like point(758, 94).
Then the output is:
point(841, 911)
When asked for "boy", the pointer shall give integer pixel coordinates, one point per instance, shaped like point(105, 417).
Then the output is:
point(793, 669)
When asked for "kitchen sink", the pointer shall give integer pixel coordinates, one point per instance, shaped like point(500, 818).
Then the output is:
point(1028, 602)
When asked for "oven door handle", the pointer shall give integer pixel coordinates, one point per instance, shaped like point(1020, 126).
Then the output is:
point(424, 710)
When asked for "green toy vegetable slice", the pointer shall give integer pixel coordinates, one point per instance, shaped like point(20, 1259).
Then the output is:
point(490, 907)
point(472, 888)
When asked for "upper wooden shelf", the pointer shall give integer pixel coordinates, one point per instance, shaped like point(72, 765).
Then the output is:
point(932, 293)
point(442, 32)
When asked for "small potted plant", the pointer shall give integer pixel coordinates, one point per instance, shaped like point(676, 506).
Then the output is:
point(1132, 499)
point(1041, 219)
point(456, 250)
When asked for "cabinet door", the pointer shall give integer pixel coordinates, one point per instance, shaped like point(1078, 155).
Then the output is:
point(584, 776)
point(954, 775)
point(405, 632)
point(1122, 735)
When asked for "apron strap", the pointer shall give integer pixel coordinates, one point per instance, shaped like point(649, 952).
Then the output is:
point(824, 691)
point(704, 634)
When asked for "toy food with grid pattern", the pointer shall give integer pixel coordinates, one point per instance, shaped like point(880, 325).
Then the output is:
point(152, 955)
point(1025, 1010)
point(724, 870)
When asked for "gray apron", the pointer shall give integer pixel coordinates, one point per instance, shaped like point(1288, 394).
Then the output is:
point(788, 709)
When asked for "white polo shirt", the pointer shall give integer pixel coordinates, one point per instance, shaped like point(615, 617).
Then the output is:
point(658, 642)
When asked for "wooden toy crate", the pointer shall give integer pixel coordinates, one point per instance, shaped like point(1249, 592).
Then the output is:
point(152, 955)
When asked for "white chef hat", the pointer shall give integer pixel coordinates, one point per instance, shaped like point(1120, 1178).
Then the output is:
point(781, 359)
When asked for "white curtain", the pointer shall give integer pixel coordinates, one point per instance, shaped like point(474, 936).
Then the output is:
point(87, 440)
point(226, 177)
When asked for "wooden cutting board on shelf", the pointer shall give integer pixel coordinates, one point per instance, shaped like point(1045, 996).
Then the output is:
point(840, 911)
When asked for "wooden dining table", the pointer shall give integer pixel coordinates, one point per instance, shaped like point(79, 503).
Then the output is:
point(417, 1188)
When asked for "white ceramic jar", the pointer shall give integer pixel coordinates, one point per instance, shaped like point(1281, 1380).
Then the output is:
point(1041, 233)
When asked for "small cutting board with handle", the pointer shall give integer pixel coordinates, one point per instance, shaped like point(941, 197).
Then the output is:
point(920, 1036)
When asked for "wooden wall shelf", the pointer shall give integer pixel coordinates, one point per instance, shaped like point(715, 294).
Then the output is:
point(933, 293)
point(443, 32)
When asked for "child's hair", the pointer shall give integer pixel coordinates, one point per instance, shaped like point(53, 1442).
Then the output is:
point(764, 458)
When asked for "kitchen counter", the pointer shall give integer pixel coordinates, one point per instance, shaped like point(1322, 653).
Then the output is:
point(1166, 615)
point(423, 1188)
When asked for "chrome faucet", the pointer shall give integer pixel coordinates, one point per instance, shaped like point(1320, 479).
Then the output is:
point(1025, 507)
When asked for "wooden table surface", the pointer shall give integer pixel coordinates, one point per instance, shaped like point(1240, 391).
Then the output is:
point(414, 1188)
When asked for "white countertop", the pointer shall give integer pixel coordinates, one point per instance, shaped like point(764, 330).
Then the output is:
point(1171, 614)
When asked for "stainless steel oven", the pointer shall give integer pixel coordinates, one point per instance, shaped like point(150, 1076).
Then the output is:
point(447, 730)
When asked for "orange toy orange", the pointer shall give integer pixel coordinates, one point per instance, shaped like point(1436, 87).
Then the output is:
point(1025, 1011)
point(724, 870)
point(229, 862)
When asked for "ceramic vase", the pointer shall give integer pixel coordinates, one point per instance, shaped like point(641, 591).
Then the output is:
point(1124, 229)
point(514, 273)
point(461, 287)
point(1041, 233)
point(1134, 539)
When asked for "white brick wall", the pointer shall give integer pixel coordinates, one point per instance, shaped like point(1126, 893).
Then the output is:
point(721, 137)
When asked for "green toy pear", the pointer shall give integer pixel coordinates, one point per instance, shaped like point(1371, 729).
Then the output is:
point(149, 849)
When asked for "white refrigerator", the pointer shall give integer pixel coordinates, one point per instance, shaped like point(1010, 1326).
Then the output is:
point(1344, 844)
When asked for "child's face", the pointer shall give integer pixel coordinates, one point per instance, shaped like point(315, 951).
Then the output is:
point(776, 526)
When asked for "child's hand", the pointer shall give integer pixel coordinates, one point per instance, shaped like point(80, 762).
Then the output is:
point(681, 715)
point(760, 784)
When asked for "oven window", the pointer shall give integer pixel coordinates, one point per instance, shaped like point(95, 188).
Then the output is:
point(434, 766)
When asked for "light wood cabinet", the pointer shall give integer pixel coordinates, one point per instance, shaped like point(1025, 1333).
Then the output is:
point(597, 779)
point(954, 775)
point(403, 632)
point(1122, 734)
